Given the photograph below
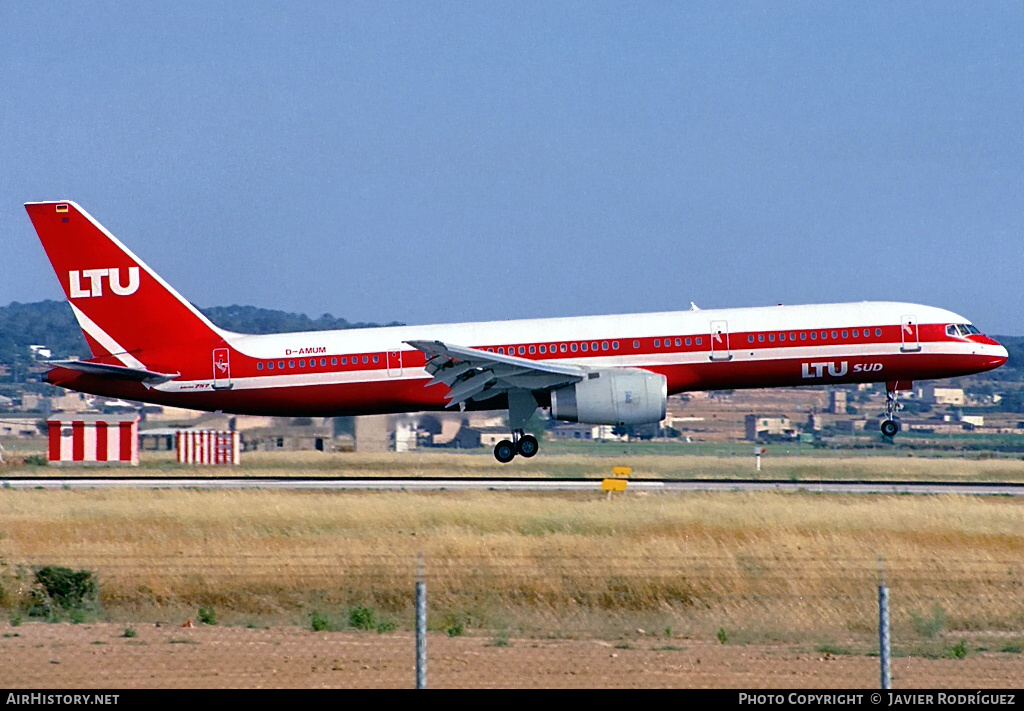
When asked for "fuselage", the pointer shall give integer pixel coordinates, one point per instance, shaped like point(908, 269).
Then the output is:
point(374, 371)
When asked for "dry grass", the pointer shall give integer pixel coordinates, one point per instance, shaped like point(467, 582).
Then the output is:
point(759, 565)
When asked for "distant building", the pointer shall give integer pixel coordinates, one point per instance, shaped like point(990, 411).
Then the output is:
point(766, 426)
point(837, 402)
point(942, 395)
point(40, 352)
point(19, 427)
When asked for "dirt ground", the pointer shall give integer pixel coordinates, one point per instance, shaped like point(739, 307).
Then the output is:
point(99, 655)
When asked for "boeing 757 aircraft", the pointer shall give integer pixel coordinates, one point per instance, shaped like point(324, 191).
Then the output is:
point(151, 345)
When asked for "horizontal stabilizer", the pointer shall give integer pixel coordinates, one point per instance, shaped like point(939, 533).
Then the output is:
point(117, 372)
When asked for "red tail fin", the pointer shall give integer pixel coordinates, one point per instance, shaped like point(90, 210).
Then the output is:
point(123, 307)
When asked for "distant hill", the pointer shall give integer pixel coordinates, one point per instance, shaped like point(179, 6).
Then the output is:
point(1015, 347)
point(51, 323)
point(252, 319)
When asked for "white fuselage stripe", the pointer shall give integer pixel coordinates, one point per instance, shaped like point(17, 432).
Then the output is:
point(298, 378)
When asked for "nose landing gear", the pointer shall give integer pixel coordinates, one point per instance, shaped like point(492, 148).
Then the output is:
point(890, 425)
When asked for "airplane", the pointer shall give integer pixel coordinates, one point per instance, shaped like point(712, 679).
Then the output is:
point(151, 345)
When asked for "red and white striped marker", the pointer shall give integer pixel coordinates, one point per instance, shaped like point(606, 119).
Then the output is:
point(90, 439)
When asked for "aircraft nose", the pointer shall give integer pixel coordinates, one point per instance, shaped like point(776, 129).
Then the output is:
point(996, 352)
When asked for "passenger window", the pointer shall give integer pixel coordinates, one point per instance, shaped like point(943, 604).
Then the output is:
point(522, 350)
point(563, 348)
point(814, 335)
point(302, 363)
point(533, 349)
point(657, 343)
point(878, 332)
point(698, 341)
point(771, 337)
point(593, 346)
point(573, 347)
point(760, 338)
point(604, 345)
point(636, 344)
point(782, 336)
point(835, 334)
point(376, 359)
point(845, 334)
point(366, 359)
point(803, 335)
point(270, 365)
point(615, 345)
point(583, 346)
point(856, 333)
point(259, 366)
point(543, 349)
point(291, 364)
point(334, 361)
point(280, 364)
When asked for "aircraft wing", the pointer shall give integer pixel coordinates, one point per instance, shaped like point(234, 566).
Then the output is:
point(473, 374)
point(117, 372)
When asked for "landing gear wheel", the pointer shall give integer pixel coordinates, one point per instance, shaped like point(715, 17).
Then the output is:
point(890, 428)
point(504, 451)
point(527, 445)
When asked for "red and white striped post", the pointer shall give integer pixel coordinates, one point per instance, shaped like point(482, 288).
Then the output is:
point(93, 440)
point(209, 446)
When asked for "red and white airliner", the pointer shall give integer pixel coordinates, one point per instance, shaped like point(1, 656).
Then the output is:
point(151, 345)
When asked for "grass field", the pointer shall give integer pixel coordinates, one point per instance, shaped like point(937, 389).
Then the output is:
point(750, 567)
point(730, 461)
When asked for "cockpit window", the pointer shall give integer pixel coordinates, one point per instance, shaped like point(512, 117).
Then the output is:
point(961, 329)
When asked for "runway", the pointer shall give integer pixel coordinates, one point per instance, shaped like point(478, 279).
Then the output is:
point(516, 484)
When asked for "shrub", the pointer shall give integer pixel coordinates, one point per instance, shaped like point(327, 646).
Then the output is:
point(62, 589)
point(130, 632)
point(319, 622)
point(501, 640)
point(723, 637)
point(958, 650)
point(207, 615)
point(362, 617)
point(929, 626)
point(366, 618)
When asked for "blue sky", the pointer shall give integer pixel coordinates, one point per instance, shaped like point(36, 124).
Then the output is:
point(453, 161)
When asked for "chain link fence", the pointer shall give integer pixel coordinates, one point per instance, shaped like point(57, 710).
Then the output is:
point(773, 621)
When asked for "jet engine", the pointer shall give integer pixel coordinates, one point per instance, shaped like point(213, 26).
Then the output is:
point(612, 396)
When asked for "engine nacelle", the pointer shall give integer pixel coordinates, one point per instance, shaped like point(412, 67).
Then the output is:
point(612, 396)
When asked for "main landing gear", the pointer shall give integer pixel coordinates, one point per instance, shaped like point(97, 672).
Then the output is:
point(890, 425)
point(523, 444)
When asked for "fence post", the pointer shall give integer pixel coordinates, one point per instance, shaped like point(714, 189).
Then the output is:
point(421, 624)
point(883, 626)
